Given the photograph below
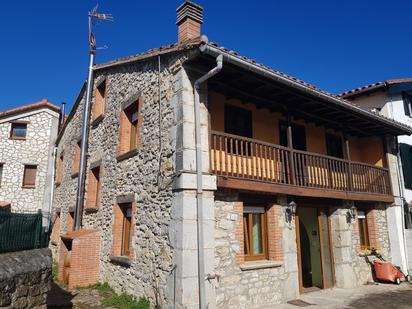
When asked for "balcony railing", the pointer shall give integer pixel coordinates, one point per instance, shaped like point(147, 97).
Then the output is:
point(244, 158)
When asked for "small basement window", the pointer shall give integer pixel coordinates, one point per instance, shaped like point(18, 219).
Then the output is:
point(29, 176)
point(18, 130)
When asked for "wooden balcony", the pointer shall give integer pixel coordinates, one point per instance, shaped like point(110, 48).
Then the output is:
point(248, 164)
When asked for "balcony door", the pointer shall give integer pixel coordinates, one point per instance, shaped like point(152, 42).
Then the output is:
point(238, 121)
point(298, 135)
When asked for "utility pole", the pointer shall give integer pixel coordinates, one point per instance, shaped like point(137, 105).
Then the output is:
point(93, 17)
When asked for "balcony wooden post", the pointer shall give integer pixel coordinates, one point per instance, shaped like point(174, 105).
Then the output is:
point(350, 173)
point(290, 146)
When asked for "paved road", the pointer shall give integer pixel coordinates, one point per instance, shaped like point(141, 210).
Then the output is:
point(380, 296)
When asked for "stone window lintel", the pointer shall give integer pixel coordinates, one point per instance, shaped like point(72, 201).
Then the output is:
point(260, 264)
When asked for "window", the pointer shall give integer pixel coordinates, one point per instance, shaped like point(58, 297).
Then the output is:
point(99, 100)
point(29, 176)
point(254, 229)
point(76, 161)
point(59, 174)
point(238, 121)
point(406, 158)
point(334, 145)
point(93, 188)
point(18, 130)
point(298, 135)
point(363, 229)
point(1, 172)
point(126, 231)
point(130, 125)
point(407, 103)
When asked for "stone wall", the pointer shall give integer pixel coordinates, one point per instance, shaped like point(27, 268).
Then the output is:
point(243, 287)
point(352, 267)
point(141, 175)
point(36, 149)
point(25, 279)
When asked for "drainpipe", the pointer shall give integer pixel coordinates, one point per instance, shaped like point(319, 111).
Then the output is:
point(80, 179)
point(199, 189)
point(52, 189)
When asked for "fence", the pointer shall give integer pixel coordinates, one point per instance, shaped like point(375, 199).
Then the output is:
point(22, 231)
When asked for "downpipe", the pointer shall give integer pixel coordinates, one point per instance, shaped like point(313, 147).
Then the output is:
point(199, 189)
point(82, 166)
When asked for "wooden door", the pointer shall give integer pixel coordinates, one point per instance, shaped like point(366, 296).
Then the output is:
point(297, 223)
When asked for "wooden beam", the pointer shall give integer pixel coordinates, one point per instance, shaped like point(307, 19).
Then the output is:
point(258, 186)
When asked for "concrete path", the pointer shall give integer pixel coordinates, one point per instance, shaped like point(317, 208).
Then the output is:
point(379, 296)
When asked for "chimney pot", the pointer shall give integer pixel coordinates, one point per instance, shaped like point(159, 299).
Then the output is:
point(189, 19)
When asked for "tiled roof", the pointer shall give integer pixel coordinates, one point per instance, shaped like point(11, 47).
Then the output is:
point(198, 41)
point(165, 49)
point(373, 87)
point(24, 108)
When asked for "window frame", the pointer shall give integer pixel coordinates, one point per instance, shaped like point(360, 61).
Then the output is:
point(100, 93)
point(76, 158)
point(126, 238)
point(249, 211)
point(364, 241)
point(12, 135)
point(29, 185)
point(131, 122)
point(406, 161)
point(96, 182)
point(59, 174)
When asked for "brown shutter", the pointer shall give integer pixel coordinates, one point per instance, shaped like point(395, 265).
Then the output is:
point(29, 177)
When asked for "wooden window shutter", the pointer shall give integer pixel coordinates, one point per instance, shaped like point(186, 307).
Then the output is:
point(29, 177)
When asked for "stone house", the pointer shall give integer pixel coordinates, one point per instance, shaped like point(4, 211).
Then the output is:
point(27, 139)
point(393, 99)
point(271, 188)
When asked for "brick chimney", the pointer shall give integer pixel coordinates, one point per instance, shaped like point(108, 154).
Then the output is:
point(189, 19)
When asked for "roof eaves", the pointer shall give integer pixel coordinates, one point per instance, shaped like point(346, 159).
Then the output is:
point(36, 105)
point(166, 49)
point(297, 83)
point(72, 112)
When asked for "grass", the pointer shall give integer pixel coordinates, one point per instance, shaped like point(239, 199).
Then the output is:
point(125, 301)
point(120, 301)
point(55, 270)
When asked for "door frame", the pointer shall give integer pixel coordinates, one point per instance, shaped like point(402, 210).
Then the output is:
point(297, 227)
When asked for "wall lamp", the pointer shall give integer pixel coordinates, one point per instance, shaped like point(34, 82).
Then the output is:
point(291, 211)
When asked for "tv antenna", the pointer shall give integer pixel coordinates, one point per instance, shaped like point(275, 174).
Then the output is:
point(93, 18)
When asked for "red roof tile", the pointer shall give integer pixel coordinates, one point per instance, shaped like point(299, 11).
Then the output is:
point(35, 105)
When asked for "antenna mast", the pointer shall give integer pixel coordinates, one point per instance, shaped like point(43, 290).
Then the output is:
point(93, 18)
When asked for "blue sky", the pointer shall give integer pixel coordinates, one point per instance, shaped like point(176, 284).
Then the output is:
point(336, 45)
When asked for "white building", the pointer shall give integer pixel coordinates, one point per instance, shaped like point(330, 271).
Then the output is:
point(27, 138)
point(393, 99)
